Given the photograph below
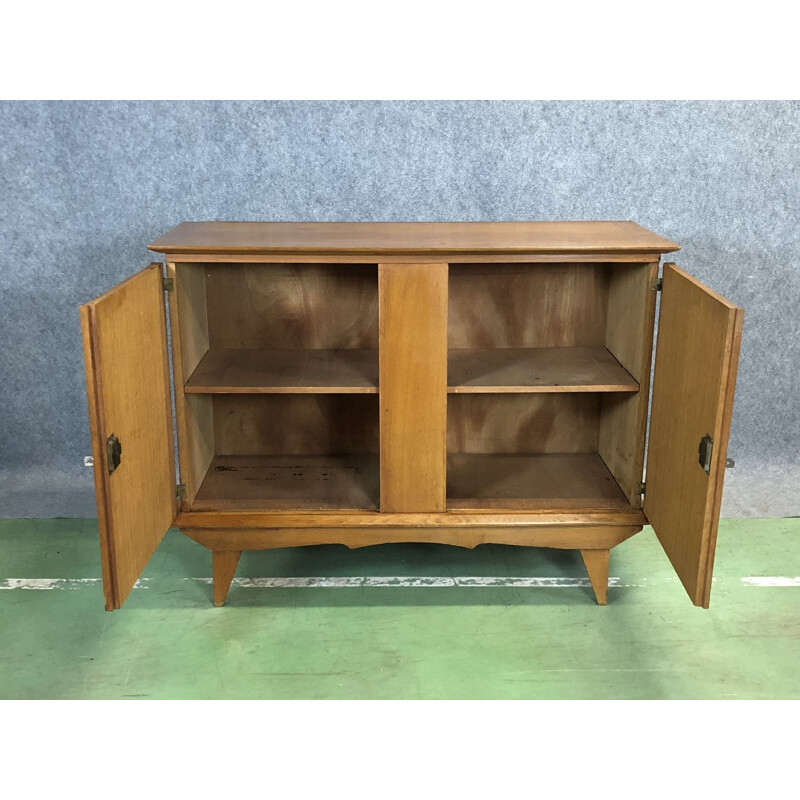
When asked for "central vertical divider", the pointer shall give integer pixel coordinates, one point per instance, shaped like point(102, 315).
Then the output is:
point(412, 325)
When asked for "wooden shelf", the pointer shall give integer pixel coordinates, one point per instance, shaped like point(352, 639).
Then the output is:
point(550, 482)
point(307, 483)
point(265, 371)
point(536, 369)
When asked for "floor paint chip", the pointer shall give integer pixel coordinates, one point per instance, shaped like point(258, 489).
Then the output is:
point(388, 582)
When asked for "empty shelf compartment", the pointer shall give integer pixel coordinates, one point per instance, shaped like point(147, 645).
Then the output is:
point(537, 369)
point(532, 482)
point(285, 482)
point(267, 371)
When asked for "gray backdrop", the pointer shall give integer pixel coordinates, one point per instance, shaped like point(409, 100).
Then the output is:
point(86, 185)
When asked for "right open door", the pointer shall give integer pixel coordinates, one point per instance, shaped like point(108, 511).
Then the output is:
point(697, 354)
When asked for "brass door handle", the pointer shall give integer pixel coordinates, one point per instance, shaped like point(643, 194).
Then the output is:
point(114, 452)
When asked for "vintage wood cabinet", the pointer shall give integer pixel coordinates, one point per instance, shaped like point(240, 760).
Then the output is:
point(362, 383)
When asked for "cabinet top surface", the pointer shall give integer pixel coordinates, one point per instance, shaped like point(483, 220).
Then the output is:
point(265, 238)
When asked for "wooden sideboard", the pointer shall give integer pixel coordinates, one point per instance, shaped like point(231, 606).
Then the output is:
point(363, 383)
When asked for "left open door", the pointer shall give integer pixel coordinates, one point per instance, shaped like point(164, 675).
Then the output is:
point(130, 417)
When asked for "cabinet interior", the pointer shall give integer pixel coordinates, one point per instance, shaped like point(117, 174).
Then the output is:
point(279, 366)
point(548, 368)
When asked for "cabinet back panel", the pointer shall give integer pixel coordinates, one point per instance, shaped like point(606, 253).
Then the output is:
point(292, 306)
point(527, 305)
point(295, 424)
point(522, 423)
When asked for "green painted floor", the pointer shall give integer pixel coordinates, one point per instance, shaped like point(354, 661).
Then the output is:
point(390, 642)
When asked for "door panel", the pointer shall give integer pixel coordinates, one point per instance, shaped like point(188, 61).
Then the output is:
point(127, 381)
point(697, 354)
point(412, 322)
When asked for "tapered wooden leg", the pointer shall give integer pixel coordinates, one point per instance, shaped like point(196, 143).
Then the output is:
point(596, 562)
point(223, 563)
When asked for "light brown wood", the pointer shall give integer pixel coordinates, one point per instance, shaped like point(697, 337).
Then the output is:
point(223, 565)
point(560, 536)
point(596, 562)
point(98, 440)
point(629, 337)
point(413, 381)
point(532, 483)
point(699, 335)
point(412, 237)
point(315, 386)
point(193, 415)
point(630, 257)
point(198, 415)
point(526, 305)
point(290, 482)
point(189, 302)
point(286, 424)
point(718, 469)
point(522, 423)
point(266, 371)
point(536, 369)
point(290, 306)
point(248, 520)
point(125, 350)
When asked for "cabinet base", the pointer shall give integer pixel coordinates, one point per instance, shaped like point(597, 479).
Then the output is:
point(596, 563)
point(594, 543)
point(223, 567)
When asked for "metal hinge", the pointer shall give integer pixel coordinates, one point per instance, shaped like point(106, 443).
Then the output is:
point(657, 284)
point(168, 284)
point(640, 488)
point(180, 490)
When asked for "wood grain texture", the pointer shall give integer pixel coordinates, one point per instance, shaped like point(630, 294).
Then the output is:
point(404, 258)
point(413, 381)
point(291, 306)
point(596, 563)
point(299, 482)
point(98, 442)
point(190, 304)
point(247, 520)
point(410, 237)
point(125, 341)
point(286, 424)
point(629, 336)
point(532, 483)
point(699, 335)
point(522, 423)
point(527, 305)
point(536, 369)
point(193, 415)
point(563, 537)
point(198, 442)
point(266, 371)
point(223, 566)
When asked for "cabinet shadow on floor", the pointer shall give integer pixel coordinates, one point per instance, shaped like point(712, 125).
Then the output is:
point(404, 563)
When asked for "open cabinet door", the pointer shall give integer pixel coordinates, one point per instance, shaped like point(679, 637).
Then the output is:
point(130, 416)
point(697, 354)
